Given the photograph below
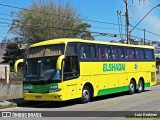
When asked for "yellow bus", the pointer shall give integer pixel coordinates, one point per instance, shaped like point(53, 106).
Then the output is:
point(64, 69)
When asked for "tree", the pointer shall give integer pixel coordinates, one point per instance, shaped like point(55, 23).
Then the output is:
point(48, 20)
point(13, 53)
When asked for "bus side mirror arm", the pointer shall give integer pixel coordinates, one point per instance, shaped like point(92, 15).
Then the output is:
point(16, 64)
point(59, 62)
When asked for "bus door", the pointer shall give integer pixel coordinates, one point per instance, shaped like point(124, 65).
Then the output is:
point(70, 76)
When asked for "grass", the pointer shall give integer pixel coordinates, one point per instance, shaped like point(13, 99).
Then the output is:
point(10, 105)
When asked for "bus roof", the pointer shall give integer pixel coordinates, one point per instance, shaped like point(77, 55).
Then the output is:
point(67, 40)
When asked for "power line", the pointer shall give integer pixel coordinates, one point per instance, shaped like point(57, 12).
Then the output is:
point(6, 19)
point(3, 26)
point(5, 14)
point(102, 22)
point(73, 30)
point(104, 28)
point(70, 17)
point(5, 23)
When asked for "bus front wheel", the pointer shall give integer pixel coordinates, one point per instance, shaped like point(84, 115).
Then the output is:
point(86, 94)
point(131, 87)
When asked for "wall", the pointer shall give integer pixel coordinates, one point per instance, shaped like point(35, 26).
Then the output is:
point(10, 91)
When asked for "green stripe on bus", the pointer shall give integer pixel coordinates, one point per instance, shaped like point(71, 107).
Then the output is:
point(117, 89)
point(40, 88)
point(147, 84)
point(112, 90)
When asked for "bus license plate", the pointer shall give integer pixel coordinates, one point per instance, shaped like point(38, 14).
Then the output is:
point(38, 97)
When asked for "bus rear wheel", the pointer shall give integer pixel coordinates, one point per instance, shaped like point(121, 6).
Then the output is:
point(140, 86)
point(86, 94)
point(131, 87)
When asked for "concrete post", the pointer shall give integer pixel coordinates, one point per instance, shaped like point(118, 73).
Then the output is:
point(6, 74)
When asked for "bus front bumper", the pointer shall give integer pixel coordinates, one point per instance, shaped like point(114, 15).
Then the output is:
point(42, 97)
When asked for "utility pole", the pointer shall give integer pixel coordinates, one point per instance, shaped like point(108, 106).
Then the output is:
point(127, 22)
point(144, 36)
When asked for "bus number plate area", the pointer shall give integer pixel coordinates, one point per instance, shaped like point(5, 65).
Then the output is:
point(38, 97)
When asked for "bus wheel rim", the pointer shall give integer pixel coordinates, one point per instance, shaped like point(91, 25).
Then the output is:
point(132, 87)
point(86, 94)
point(140, 86)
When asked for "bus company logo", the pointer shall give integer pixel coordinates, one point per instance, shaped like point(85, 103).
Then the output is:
point(113, 67)
point(135, 66)
point(27, 87)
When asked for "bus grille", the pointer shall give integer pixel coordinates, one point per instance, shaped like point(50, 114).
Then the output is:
point(153, 77)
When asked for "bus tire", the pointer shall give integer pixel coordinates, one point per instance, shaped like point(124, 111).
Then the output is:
point(140, 86)
point(131, 87)
point(86, 94)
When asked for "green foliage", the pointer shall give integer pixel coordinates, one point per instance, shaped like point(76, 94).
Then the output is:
point(9, 105)
point(157, 59)
point(13, 53)
point(48, 20)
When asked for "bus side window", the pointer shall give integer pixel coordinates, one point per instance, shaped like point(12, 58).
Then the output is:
point(149, 54)
point(91, 52)
point(109, 54)
point(140, 54)
point(71, 49)
point(104, 52)
point(130, 53)
point(118, 53)
point(82, 53)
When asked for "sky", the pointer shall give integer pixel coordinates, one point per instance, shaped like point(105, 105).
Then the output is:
point(100, 11)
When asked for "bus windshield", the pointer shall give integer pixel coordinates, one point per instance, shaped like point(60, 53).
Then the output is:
point(42, 69)
point(41, 63)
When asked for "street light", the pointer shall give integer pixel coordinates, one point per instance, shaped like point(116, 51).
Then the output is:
point(144, 17)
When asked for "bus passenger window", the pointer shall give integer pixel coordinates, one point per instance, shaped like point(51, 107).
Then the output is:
point(104, 52)
point(149, 54)
point(113, 55)
point(118, 53)
point(109, 54)
point(130, 53)
point(139, 54)
point(99, 53)
point(82, 53)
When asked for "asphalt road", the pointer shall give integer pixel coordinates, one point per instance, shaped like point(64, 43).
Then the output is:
point(148, 102)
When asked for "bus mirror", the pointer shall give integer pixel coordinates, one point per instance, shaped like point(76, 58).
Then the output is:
point(16, 64)
point(59, 62)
